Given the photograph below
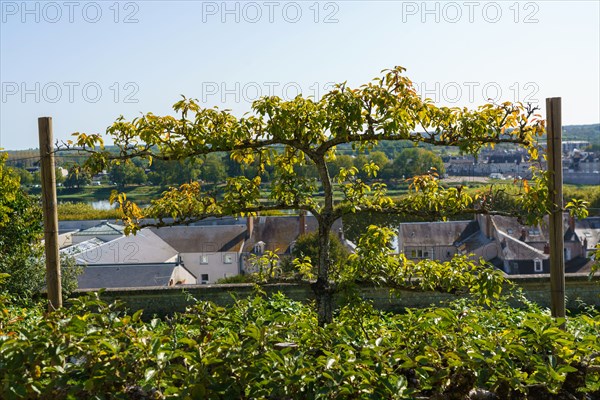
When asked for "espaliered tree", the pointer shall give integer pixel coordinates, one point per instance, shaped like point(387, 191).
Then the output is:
point(286, 135)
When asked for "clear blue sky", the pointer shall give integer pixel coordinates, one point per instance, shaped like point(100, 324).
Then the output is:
point(85, 63)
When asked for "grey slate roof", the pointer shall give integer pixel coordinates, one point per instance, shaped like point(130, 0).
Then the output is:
point(279, 232)
point(512, 227)
point(514, 249)
point(79, 225)
point(474, 241)
point(144, 247)
point(104, 228)
point(125, 275)
point(588, 229)
point(83, 247)
point(436, 233)
point(203, 239)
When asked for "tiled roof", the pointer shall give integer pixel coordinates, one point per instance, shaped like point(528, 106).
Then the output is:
point(588, 229)
point(142, 248)
point(83, 247)
point(125, 275)
point(200, 239)
point(514, 249)
point(279, 232)
point(512, 227)
point(436, 233)
point(105, 228)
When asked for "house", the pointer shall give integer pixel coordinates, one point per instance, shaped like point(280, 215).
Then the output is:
point(104, 231)
point(519, 249)
point(144, 247)
point(279, 234)
point(138, 260)
point(502, 241)
point(100, 276)
point(443, 240)
point(208, 252)
point(583, 236)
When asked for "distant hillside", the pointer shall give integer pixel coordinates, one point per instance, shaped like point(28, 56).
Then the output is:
point(29, 158)
point(591, 133)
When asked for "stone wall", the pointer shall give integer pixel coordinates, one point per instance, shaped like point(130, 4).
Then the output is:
point(163, 301)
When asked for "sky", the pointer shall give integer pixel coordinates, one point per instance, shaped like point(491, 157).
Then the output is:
point(85, 63)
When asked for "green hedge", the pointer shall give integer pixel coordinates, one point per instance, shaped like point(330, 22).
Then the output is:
point(270, 347)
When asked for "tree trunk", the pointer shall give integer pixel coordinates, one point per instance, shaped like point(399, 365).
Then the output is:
point(323, 288)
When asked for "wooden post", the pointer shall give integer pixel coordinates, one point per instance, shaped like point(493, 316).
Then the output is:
point(48, 174)
point(554, 158)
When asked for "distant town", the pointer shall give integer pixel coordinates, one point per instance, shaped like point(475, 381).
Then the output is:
point(217, 250)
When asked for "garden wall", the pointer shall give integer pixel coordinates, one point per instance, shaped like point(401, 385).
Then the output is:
point(162, 301)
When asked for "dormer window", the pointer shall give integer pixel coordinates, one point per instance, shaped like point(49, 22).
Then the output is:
point(259, 248)
point(537, 265)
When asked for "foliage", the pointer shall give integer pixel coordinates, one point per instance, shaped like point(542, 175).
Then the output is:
point(265, 266)
point(20, 236)
point(596, 265)
point(82, 211)
point(77, 178)
point(590, 133)
point(213, 169)
point(127, 173)
point(415, 161)
point(25, 176)
point(274, 348)
point(21, 251)
point(174, 172)
point(590, 194)
point(308, 246)
point(240, 278)
point(69, 271)
point(295, 141)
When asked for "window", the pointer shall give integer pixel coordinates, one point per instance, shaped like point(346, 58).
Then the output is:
point(227, 259)
point(421, 252)
point(515, 267)
point(537, 265)
point(204, 279)
point(204, 259)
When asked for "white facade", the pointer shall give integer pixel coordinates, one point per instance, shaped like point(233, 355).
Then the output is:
point(210, 267)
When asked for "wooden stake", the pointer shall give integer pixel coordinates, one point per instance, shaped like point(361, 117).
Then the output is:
point(557, 258)
point(48, 174)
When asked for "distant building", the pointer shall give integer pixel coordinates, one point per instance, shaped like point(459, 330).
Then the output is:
point(207, 251)
point(569, 145)
point(502, 241)
point(99, 276)
point(104, 231)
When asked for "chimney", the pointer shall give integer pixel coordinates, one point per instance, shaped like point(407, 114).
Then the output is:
point(547, 248)
point(523, 235)
point(302, 223)
point(249, 227)
point(485, 224)
point(572, 223)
